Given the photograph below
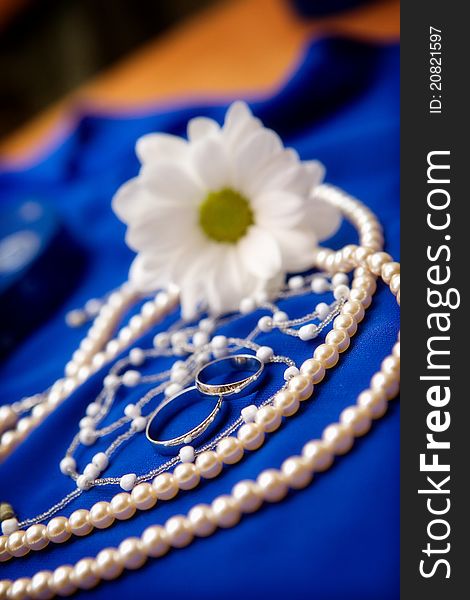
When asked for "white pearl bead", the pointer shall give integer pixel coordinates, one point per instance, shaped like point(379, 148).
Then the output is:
point(290, 372)
point(230, 450)
point(84, 574)
point(136, 357)
point(207, 325)
point(154, 541)
point(247, 495)
point(339, 279)
point(226, 511)
point(179, 338)
point(272, 485)
point(286, 403)
point(111, 381)
point(248, 413)
point(165, 486)
point(100, 460)
point(62, 582)
point(108, 564)
point(268, 418)
point(296, 283)
point(101, 515)
point(87, 436)
point(322, 309)
point(280, 317)
point(132, 411)
point(208, 464)
point(201, 520)
point(79, 522)
point(36, 538)
point(161, 340)
point(91, 471)
point(186, 476)
point(264, 353)
point(93, 409)
point(374, 401)
point(127, 482)
point(296, 472)
point(178, 531)
point(144, 496)
point(200, 338)
point(131, 553)
point(265, 324)
point(139, 424)
point(308, 332)
point(122, 506)
point(341, 291)
point(39, 586)
point(186, 454)
point(219, 342)
point(247, 305)
point(86, 423)
point(172, 389)
point(67, 464)
point(131, 378)
point(319, 285)
point(338, 438)
point(58, 530)
point(357, 419)
point(9, 526)
point(83, 483)
point(148, 309)
point(317, 455)
point(251, 436)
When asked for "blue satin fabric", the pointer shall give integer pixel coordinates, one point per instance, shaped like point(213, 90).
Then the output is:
point(337, 539)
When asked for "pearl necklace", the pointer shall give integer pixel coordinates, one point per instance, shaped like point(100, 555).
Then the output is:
point(364, 221)
point(271, 485)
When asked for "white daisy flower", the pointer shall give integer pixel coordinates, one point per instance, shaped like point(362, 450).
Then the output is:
point(222, 215)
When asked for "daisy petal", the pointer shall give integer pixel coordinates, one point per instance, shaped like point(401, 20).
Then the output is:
point(200, 127)
point(132, 201)
point(260, 253)
point(145, 276)
point(210, 161)
point(239, 123)
point(297, 248)
point(321, 217)
point(157, 146)
point(278, 209)
point(279, 163)
point(172, 181)
point(253, 154)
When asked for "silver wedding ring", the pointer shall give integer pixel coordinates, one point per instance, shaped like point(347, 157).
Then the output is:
point(219, 377)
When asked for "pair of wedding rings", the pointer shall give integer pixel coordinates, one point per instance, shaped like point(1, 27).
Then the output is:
point(221, 379)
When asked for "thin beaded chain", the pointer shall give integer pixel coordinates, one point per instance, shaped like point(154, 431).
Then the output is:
point(271, 485)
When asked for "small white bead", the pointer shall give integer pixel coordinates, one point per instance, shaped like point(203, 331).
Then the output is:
point(247, 305)
point(178, 338)
point(83, 483)
point(93, 306)
point(200, 338)
point(161, 299)
point(87, 436)
point(322, 309)
point(93, 409)
point(172, 389)
point(75, 318)
point(265, 324)
point(9, 526)
point(308, 332)
point(264, 353)
point(132, 411)
point(127, 482)
point(131, 378)
point(139, 424)
point(341, 291)
point(319, 285)
point(207, 325)
point(280, 316)
point(249, 413)
point(67, 464)
point(136, 357)
point(261, 296)
point(339, 279)
point(202, 358)
point(186, 454)
point(296, 283)
point(161, 340)
point(86, 423)
point(91, 471)
point(219, 342)
point(148, 309)
point(100, 460)
point(111, 381)
point(220, 353)
point(178, 375)
point(290, 372)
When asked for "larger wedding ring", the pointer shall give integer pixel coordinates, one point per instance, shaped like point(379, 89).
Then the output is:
point(212, 378)
point(189, 436)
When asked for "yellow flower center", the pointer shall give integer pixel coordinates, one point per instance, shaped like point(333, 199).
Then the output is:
point(225, 216)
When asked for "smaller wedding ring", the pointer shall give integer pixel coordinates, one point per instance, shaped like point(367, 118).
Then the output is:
point(217, 377)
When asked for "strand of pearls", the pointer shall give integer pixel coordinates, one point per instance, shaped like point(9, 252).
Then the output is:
point(95, 350)
point(208, 464)
point(247, 496)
